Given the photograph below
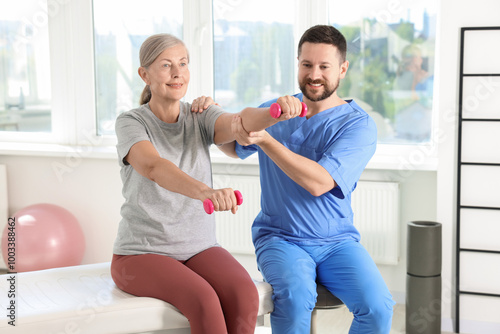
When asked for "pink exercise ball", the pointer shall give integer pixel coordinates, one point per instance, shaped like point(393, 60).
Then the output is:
point(46, 236)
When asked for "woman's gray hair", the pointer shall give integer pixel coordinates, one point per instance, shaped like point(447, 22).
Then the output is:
point(151, 48)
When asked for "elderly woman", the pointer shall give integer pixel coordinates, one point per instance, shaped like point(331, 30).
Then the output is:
point(166, 246)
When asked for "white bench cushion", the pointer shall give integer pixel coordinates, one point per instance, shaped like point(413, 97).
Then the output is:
point(84, 299)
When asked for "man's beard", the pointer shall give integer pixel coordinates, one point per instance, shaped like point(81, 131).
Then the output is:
point(328, 90)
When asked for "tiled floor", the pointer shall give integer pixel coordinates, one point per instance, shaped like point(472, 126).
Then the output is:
point(338, 321)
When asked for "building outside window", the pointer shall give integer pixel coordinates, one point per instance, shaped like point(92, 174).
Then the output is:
point(117, 40)
point(253, 52)
point(25, 89)
point(391, 48)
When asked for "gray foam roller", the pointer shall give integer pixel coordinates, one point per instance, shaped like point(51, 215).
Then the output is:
point(424, 248)
point(423, 305)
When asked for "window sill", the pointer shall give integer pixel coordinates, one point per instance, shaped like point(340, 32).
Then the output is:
point(57, 150)
point(405, 157)
point(387, 157)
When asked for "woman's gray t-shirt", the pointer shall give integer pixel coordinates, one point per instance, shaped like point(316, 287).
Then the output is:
point(156, 220)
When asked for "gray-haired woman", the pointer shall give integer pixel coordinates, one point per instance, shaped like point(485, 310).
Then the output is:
point(166, 246)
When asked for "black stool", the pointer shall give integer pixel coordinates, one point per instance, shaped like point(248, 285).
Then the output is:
point(325, 301)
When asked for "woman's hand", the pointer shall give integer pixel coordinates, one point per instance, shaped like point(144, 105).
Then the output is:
point(223, 199)
point(202, 103)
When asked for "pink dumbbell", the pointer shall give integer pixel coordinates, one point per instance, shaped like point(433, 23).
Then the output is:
point(275, 110)
point(209, 206)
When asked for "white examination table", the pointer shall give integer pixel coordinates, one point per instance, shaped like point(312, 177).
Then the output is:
point(85, 300)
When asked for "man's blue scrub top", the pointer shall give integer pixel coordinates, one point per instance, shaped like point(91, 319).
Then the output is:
point(342, 140)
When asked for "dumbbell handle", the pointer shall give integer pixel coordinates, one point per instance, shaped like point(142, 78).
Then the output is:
point(275, 110)
point(209, 206)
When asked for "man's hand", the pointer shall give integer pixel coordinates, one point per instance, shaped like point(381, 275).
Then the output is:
point(202, 103)
point(243, 137)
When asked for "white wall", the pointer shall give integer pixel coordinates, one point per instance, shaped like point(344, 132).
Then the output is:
point(455, 14)
point(88, 188)
point(418, 202)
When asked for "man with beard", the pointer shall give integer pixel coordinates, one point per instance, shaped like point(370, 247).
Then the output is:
point(308, 168)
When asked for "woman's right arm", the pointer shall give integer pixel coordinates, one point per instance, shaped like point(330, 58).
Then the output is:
point(144, 158)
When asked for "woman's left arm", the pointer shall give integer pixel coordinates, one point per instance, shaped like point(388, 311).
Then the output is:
point(229, 149)
point(252, 119)
point(202, 103)
point(255, 119)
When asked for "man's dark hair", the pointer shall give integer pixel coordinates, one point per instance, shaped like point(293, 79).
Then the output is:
point(325, 34)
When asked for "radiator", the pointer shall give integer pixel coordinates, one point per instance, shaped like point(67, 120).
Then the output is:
point(234, 231)
point(376, 216)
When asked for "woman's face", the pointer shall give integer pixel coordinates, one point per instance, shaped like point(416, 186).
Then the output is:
point(168, 76)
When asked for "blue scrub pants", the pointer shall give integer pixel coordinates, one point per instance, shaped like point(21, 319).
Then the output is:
point(345, 268)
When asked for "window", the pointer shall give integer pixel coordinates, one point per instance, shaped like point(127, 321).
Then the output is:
point(243, 53)
point(253, 53)
point(117, 40)
point(25, 90)
point(391, 48)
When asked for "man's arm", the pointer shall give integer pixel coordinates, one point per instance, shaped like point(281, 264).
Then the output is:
point(305, 172)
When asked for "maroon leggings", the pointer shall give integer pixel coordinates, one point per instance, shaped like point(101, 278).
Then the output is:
point(211, 289)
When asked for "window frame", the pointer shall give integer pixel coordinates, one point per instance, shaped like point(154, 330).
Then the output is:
point(74, 127)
